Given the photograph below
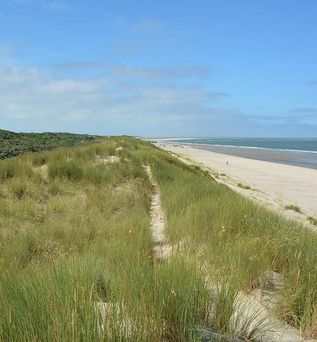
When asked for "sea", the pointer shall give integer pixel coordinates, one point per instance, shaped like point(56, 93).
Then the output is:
point(294, 151)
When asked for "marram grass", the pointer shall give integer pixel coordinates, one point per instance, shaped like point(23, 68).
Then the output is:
point(74, 237)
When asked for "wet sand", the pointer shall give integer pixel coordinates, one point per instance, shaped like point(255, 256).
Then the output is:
point(297, 158)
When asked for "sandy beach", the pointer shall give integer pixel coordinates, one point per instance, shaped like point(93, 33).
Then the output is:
point(273, 184)
point(295, 158)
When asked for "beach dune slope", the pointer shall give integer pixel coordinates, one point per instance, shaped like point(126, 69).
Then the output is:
point(277, 185)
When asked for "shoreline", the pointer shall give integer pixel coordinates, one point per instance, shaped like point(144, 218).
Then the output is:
point(246, 147)
point(276, 185)
point(307, 159)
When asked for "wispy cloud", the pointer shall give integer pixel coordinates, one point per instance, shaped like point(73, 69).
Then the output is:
point(307, 110)
point(6, 53)
point(312, 83)
point(129, 71)
point(167, 72)
point(57, 6)
point(16, 2)
point(148, 25)
point(5, 48)
point(303, 118)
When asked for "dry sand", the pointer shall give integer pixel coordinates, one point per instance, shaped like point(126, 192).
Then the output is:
point(275, 185)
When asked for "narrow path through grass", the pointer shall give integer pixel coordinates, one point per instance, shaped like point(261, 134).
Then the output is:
point(161, 248)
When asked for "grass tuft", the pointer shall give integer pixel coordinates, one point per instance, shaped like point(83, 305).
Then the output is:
point(18, 187)
point(70, 169)
point(312, 220)
point(293, 207)
point(244, 186)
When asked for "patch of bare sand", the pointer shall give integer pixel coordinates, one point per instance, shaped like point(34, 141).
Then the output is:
point(43, 170)
point(107, 160)
point(162, 249)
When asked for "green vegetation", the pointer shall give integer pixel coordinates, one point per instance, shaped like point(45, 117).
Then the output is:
point(244, 186)
point(293, 207)
point(74, 235)
point(77, 254)
point(312, 220)
point(239, 241)
point(13, 144)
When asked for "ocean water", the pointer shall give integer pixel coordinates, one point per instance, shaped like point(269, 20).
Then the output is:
point(294, 151)
point(282, 144)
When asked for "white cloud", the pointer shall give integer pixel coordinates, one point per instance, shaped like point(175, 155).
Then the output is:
point(130, 100)
point(35, 97)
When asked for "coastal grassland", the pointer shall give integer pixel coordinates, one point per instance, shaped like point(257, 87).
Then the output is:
point(238, 241)
point(76, 251)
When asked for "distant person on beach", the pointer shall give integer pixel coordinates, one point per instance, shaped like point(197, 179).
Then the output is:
point(227, 162)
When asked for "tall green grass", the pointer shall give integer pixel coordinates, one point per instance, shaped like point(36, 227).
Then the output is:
point(74, 237)
point(240, 240)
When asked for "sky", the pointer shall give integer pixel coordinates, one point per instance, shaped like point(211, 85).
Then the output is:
point(213, 68)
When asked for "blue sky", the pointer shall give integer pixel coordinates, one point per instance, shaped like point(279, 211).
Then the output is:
point(159, 68)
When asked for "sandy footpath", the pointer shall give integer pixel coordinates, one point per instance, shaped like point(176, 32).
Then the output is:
point(275, 185)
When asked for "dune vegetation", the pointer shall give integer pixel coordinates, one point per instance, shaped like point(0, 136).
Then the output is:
point(13, 144)
point(77, 253)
